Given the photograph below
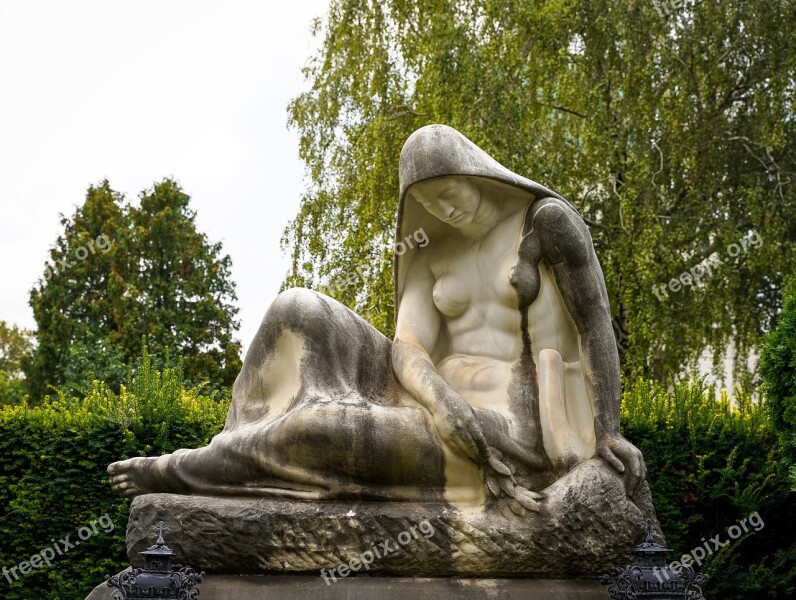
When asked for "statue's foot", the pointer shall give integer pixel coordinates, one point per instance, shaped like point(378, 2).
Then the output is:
point(132, 477)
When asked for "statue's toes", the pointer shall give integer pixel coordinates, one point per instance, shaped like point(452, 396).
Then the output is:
point(118, 467)
point(126, 489)
point(116, 480)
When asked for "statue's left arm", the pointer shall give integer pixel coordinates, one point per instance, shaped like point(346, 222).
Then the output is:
point(566, 246)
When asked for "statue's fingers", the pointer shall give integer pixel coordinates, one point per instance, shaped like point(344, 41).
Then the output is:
point(634, 475)
point(471, 440)
point(496, 453)
point(608, 456)
point(465, 444)
point(481, 445)
point(468, 451)
point(499, 467)
point(507, 486)
point(642, 473)
point(636, 469)
point(527, 500)
point(125, 490)
point(493, 485)
point(632, 481)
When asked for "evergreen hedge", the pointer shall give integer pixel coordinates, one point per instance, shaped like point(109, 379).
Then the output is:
point(778, 369)
point(53, 481)
point(711, 463)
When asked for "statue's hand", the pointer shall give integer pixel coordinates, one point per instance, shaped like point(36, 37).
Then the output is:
point(625, 458)
point(457, 425)
point(510, 497)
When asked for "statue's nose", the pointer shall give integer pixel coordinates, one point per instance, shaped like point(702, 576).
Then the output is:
point(447, 207)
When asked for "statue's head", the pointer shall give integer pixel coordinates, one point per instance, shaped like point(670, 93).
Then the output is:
point(446, 182)
point(453, 200)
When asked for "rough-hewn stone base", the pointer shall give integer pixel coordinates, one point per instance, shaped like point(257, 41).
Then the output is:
point(285, 587)
point(586, 526)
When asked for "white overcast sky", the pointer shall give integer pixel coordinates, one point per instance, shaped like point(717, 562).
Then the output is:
point(137, 91)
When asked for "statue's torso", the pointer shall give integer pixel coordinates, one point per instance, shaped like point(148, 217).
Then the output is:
point(480, 285)
point(481, 336)
point(480, 333)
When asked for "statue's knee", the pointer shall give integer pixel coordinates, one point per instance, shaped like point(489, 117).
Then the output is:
point(305, 313)
point(294, 308)
point(297, 301)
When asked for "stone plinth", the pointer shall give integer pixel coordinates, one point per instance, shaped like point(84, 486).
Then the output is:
point(586, 526)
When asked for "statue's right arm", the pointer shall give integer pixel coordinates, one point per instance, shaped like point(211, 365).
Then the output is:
point(416, 332)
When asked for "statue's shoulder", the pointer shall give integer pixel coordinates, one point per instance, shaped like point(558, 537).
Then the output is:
point(563, 235)
point(553, 212)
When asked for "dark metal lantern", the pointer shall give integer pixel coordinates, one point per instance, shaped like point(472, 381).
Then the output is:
point(157, 579)
point(653, 577)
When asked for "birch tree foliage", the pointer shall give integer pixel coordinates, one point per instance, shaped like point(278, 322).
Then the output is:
point(672, 131)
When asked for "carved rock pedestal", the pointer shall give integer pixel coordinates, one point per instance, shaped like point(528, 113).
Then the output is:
point(586, 526)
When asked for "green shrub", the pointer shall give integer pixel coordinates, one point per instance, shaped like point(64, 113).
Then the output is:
point(713, 462)
point(53, 480)
point(778, 369)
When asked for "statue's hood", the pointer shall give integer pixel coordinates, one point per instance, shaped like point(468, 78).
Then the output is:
point(438, 151)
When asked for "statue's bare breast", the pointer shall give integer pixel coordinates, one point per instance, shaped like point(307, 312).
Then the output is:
point(479, 285)
point(480, 334)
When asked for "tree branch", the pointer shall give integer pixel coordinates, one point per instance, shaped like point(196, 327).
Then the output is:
point(567, 110)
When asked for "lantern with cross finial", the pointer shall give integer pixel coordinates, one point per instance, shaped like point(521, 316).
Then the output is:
point(157, 579)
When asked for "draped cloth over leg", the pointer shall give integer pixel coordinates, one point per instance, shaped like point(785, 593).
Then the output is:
point(316, 412)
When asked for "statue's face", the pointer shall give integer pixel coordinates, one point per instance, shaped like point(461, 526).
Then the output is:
point(453, 200)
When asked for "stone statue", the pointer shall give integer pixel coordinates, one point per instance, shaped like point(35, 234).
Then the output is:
point(502, 379)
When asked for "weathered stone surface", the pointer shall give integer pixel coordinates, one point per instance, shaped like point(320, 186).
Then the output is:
point(504, 365)
point(586, 525)
point(502, 382)
point(252, 587)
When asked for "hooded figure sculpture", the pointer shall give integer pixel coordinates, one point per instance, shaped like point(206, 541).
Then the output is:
point(502, 377)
